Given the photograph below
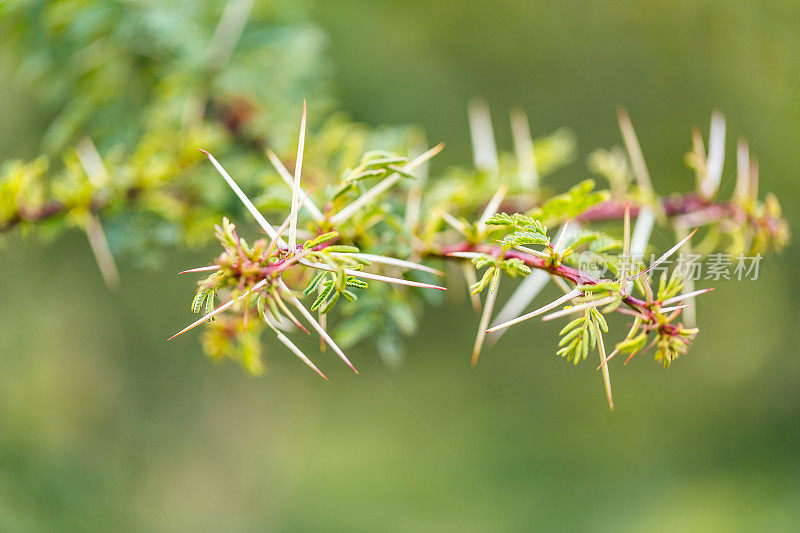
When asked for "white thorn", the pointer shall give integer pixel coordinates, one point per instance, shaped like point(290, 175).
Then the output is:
point(523, 147)
point(530, 286)
point(298, 170)
point(634, 152)
point(565, 232)
point(471, 279)
point(675, 308)
point(468, 255)
point(370, 275)
point(92, 163)
point(101, 251)
point(665, 255)
point(389, 261)
point(742, 171)
point(579, 307)
point(716, 155)
point(414, 200)
point(690, 315)
point(454, 223)
point(604, 364)
point(491, 207)
point(228, 31)
point(519, 300)
point(753, 178)
point(381, 187)
point(686, 296)
point(295, 350)
point(545, 308)
point(312, 209)
point(316, 325)
point(485, 316)
point(641, 236)
point(221, 308)
point(484, 149)
point(266, 226)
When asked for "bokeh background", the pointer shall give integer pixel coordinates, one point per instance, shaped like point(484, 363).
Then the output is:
point(104, 425)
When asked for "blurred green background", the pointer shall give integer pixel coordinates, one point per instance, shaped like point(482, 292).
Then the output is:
point(104, 425)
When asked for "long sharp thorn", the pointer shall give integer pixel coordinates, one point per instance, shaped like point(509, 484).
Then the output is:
point(389, 261)
point(579, 307)
point(485, 317)
point(282, 228)
point(295, 350)
point(606, 375)
point(484, 148)
point(607, 359)
point(566, 231)
point(316, 325)
point(492, 206)
point(545, 308)
point(626, 246)
point(200, 269)
point(666, 255)
point(227, 33)
point(471, 279)
point(716, 155)
point(312, 209)
point(376, 277)
point(561, 283)
point(675, 308)
point(642, 231)
point(626, 239)
point(323, 321)
point(96, 171)
point(630, 312)
point(219, 309)
point(652, 343)
point(298, 169)
point(266, 226)
point(396, 281)
point(682, 297)
point(700, 163)
point(531, 251)
point(414, 199)
point(381, 187)
point(634, 151)
point(530, 287)
point(467, 255)
point(92, 163)
point(102, 253)
point(454, 223)
point(523, 147)
point(289, 314)
point(753, 178)
point(742, 171)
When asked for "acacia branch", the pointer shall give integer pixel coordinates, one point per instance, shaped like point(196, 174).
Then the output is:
point(565, 272)
point(609, 210)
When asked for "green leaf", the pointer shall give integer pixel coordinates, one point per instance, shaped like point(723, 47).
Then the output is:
point(571, 203)
point(341, 248)
point(483, 282)
point(314, 283)
point(316, 241)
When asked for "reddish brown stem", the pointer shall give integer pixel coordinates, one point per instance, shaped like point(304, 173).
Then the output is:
point(568, 273)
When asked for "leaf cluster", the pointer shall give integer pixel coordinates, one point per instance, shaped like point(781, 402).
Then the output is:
point(580, 335)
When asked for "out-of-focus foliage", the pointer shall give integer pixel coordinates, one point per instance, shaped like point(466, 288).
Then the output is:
point(117, 69)
point(138, 86)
